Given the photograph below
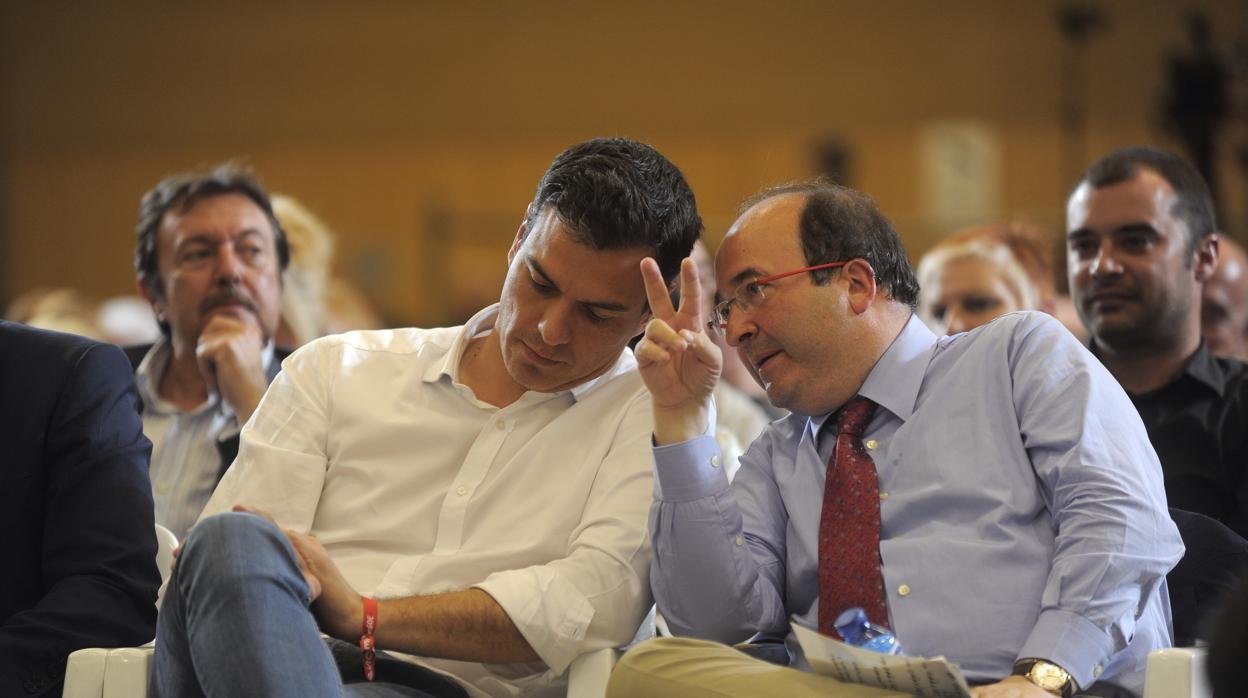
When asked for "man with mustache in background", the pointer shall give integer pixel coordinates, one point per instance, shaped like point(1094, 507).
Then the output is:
point(209, 259)
point(1141, 244)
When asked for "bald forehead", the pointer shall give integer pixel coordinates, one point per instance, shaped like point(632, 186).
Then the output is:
point(764, 239)
point(1232, 268)
point(773, 210)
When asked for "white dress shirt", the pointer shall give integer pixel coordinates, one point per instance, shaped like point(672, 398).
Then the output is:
point(368, 441)
point(186, 462)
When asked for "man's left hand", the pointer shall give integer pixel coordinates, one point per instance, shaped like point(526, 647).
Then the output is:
point(339, 610)
point(1011, 687)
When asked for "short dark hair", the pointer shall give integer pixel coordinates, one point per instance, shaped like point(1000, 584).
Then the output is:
point(839, 224)
point(184, 190)
point(1193, 202)
point(616, 193)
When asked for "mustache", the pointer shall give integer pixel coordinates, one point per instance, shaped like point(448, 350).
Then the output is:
point(228, 295)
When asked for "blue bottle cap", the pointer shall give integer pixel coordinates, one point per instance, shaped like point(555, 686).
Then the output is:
point(851, 624)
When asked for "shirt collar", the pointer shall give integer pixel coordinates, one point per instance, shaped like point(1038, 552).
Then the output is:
point(1201, 367)
point(482, 323)
point(1205, 369)
point(894, 381)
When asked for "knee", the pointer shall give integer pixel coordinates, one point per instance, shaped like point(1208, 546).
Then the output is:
point(647, 665)
point(645, 654)
point(218, 543)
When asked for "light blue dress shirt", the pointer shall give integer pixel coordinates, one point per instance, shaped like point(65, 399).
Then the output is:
point(1022, 512)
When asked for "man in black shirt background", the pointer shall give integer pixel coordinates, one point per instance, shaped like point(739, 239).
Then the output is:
point(1141, 243)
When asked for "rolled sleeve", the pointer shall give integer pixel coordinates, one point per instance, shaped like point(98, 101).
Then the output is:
point(548, 610)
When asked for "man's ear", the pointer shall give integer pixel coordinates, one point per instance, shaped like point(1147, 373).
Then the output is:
point(521, 231)
point(153, 296)
point(1205, 257)
point(862, 288)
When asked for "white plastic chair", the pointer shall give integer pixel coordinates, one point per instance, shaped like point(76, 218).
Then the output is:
point(121, 672)
point(1178, 672)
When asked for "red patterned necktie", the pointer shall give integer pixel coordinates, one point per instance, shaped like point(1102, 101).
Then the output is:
point(849, 528)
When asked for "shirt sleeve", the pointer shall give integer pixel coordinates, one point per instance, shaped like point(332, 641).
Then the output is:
point(596, 596)
point(282, 455)
point(1101, 481)
point(719, 551)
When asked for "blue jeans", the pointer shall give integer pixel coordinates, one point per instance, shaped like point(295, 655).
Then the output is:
point(235, 622)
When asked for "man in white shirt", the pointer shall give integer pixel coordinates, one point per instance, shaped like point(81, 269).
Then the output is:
point(487, 484)
point(209, 258)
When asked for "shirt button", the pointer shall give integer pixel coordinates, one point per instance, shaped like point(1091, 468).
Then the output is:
point(883, 496)
point(164, 488)
point(1096, 670)
point(871, 444)
point(500, 425)
point(903, 590)
point(714, 461)
point(461, 491)
point(739, 541)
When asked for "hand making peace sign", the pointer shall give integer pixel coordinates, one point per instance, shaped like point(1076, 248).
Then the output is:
point(678, 361)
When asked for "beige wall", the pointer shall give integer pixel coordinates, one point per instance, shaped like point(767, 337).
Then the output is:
point(380, 114)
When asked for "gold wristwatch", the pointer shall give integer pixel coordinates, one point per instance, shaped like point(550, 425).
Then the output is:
point(1048, 676)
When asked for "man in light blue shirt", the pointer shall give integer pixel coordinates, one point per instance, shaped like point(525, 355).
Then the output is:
point(1023, 525)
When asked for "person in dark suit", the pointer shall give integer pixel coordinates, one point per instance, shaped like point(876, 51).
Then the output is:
point(209, 258)
point(75, 507)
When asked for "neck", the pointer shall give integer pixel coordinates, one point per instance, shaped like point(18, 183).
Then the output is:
point(1143, 367)
point(887, 327)
point(483, 370)
point(181, 382)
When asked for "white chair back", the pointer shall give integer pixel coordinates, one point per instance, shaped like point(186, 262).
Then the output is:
point(166, 544)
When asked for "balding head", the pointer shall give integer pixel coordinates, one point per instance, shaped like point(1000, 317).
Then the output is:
point(1224, 302)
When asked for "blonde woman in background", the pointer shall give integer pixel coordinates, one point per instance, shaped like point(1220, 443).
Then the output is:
point(304, 282)
point(978, 274)
point(313, 302)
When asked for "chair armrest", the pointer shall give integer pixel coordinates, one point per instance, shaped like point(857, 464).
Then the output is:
point(84, 673)
point(128, 672)
point(587, 677)
point(1176, 672)
point(95, 672)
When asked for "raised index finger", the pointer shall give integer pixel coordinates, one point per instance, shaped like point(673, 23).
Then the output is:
point(656, 290)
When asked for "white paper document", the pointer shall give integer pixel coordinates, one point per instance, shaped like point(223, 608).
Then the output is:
point(927, 678)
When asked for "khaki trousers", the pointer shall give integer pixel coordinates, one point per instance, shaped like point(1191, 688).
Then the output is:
point(679, 667)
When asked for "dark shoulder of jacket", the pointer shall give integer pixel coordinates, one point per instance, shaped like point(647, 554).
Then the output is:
point(136, 352)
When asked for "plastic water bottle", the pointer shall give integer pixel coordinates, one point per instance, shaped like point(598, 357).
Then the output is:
point(856, 630)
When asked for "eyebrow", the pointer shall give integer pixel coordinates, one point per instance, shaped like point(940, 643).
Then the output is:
point(1128, 228)
point(611, 306)
point(747, 273)
point(212, 239)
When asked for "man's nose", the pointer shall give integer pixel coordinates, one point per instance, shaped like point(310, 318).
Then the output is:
point(740, 327)
point(555, 325)
point(957, 321)
point(1105, 263)
point(229, 266)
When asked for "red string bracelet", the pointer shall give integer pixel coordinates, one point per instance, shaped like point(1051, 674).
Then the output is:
point(368, 642)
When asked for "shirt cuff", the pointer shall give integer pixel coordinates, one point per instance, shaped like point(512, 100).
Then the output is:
point(689, 470)
point(1070, 641)
point(548, 610)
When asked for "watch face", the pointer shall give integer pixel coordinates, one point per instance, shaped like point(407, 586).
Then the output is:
point(1048, 676)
